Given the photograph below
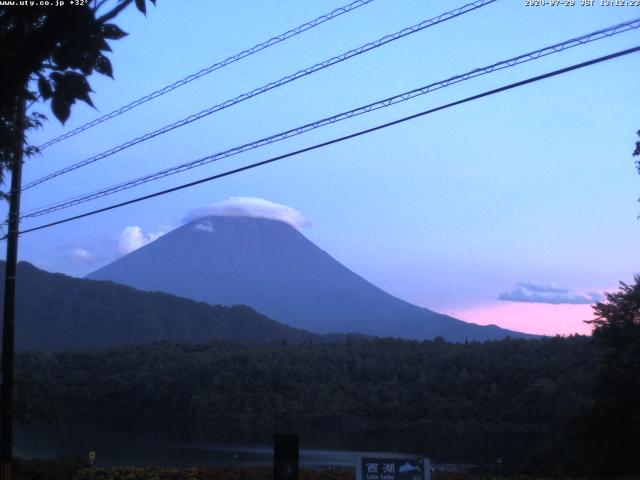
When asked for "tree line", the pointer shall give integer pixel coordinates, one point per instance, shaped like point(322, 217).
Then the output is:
point(385, 384)
point(582, 392)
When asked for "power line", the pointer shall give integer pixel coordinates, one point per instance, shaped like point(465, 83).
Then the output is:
point(558, 47)
point(205, 71)
point(341, 139)
point(270, 86)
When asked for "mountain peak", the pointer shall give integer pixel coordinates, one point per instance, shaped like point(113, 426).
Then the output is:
point(203, 223)
point(269, 265)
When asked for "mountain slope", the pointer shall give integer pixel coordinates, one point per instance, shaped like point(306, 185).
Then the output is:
point(270, 266)
point(56, 312)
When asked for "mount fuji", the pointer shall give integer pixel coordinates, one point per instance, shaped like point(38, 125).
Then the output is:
point(270, 266)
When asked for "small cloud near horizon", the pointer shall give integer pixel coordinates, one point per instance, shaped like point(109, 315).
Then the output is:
point(133, 237)
point(250, 207)
point(82, 256)
point(530, 292)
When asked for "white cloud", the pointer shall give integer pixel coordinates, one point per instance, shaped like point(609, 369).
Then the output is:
point(250, 207)
point(132, 238)
point(82, 256)
point(204, 226)
point(536, 293)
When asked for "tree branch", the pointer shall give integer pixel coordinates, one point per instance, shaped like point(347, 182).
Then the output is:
point(114, 12)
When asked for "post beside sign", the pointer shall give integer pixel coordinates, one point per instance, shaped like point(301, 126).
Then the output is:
point(393, 468)
point(286, 456)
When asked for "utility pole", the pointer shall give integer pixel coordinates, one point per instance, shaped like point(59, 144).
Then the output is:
point(6, 390)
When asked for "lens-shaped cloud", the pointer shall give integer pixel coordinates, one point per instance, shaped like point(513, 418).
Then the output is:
point(250, 207)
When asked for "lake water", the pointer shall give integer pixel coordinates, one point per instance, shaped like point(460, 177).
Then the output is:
point(227, 445)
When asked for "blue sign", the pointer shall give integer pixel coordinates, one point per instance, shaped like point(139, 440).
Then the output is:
point(393, 468)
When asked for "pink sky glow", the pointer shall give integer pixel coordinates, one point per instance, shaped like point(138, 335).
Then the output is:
point(537, 318)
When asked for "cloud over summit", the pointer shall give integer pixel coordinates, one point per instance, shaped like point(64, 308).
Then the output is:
point(530, 292)
point(250, 207)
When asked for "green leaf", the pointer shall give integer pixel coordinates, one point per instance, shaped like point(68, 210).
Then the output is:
point(103, 66)
point(63, 56)
point(87, 62)
point(45, 88)
point(113, 32)
point(76, 86)
point(103, 45)
point(84, 96)
point(141, 6)
point(61, 108)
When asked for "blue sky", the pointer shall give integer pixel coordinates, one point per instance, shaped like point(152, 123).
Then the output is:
point(535, 187)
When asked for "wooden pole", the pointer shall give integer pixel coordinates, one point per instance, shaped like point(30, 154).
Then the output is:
point(8, 330)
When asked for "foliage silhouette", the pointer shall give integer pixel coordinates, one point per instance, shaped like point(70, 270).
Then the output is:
point(48, 53)
point(385, 384)
point(609, 432)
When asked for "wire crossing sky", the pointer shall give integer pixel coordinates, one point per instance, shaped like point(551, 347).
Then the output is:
point(533, 55)
point(517, 210)
point(341, 139)
point(206, 71)
point(443, 17)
